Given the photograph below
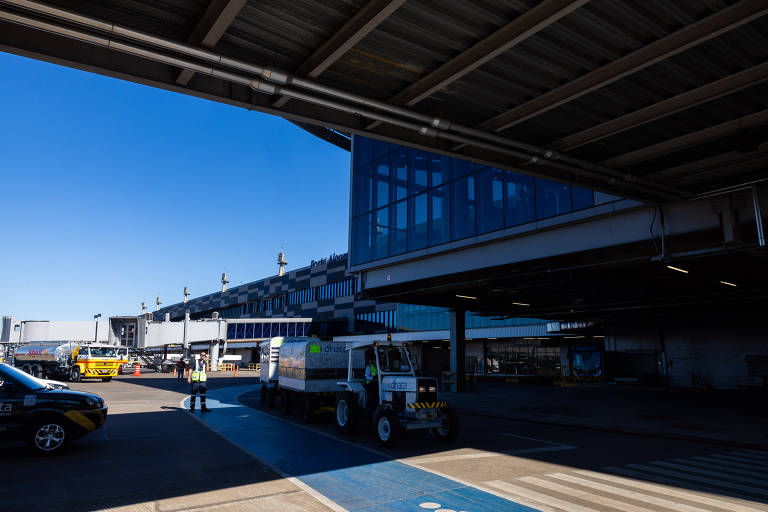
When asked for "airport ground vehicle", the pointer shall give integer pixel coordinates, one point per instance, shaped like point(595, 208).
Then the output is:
point(397, 400)
point(269, 356)
point(68, 360)
point(45, 417)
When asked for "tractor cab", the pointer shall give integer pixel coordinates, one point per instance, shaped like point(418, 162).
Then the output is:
point(382, 386)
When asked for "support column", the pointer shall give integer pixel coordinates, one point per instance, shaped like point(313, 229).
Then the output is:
point(214, 355)
point(458, 348)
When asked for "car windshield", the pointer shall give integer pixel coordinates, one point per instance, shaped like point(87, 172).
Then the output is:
point(14, 374)
point(102, 351)
point(393, 359)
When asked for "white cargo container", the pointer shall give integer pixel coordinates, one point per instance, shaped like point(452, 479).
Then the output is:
point(308, 365)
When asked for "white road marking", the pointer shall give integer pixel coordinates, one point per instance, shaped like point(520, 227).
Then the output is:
point(483, 455)
point(637, 496)
point(660, 489)
point(718, 467)
point(712, 481)
point(583, 495)
point(522, 492)
point(729, 463)
point(760, 453)
point(743, 460)
point(430, 505)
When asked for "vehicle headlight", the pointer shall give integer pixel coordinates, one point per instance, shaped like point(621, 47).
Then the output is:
point(94, 403)
point(422, 389)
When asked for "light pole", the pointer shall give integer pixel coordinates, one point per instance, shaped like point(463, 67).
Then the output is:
point(96, 330)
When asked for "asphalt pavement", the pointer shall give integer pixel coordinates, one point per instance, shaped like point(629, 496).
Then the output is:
point(153, 455)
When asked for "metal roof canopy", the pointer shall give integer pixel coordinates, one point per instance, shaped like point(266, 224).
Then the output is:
point(650, 100)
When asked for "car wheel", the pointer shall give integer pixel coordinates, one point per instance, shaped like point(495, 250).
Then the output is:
point(75, 375)
point(387, 426)
point(346, 412)
point(48, 435)
point(450, 427)
point(27, 369)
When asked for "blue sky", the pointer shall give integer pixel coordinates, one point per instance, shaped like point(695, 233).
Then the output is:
point(113, 193)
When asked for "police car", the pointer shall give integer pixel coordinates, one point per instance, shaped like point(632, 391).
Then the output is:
point(43, 415)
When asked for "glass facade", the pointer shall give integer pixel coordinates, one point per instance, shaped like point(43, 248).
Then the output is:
point(430, 318)
point(407, 199)
point(258, 330)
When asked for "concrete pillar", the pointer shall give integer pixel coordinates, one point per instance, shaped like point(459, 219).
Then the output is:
point(458, 346)
point(213, 355)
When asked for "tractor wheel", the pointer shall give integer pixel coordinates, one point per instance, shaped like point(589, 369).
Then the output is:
point(106, 379)
point(387, 426)
point(346, 412)
point(75, 375)
point(450, 428)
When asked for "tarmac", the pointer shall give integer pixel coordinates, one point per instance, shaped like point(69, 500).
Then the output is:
point(737, 418)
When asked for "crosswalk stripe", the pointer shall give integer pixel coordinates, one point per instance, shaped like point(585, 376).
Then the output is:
point(719, 467)
point(750, 455)
point(583, 495)
point(660, 479)
point(739, 460)
point(537, 496)
point(761, 453)
point(626, 493)
point(660, 489)
point(730, 463)
point(695, 478)
point(721, 474)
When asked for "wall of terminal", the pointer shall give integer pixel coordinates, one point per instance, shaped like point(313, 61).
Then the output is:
point(405, 200)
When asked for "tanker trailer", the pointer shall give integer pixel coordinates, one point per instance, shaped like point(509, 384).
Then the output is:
point(38, 360)
point(309, 371)
point(67, 360)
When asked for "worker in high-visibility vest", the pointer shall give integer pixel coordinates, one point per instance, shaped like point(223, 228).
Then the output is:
point(371, 381)
point(198, 378)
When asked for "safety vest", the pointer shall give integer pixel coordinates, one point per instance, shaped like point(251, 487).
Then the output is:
point(198, 374)
point(371, 373)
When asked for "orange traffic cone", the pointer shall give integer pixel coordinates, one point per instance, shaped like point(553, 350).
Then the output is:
point(174, 371)
point(136, 371)
point(235, 371)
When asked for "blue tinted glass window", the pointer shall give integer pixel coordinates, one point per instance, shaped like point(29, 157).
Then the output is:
point(362, 238)
point(417, 171)
point(380, 148)
point(240, 334)
point(417, 222)
point(381, 234)
point(463, 207)
point(519, 203)
point(460, 168)
point(363, 188)
point(582, 198)
point(490, 200)
point(399, 175)
point(439, 170)
point(398, 242)
point(439, 215)
point(258, 330)
point(231, 329)
point(283, 329)
point(363, 150)
point(249, 331)
point(381, 183)
point(552, 198)
point(291, 329)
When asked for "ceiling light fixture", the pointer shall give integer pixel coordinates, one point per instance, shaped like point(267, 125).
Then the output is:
point(466, 297)
point(520, 304)
point(596, 337)
point(726, 283)
point(491, 338)
point(677, 269)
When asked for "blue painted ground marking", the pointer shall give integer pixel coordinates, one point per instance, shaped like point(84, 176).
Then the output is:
point(355, 478)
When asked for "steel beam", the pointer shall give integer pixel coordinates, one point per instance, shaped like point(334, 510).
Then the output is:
point(691, 139)
point(217, 18)
point(359, 26)
point(686, 100)
point(692, 35)
point(521, 28)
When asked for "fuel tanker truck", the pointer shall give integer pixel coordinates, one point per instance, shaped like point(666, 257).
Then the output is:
point(70, 361)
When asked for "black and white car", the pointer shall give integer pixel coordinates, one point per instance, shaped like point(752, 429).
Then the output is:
point(42, 414)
